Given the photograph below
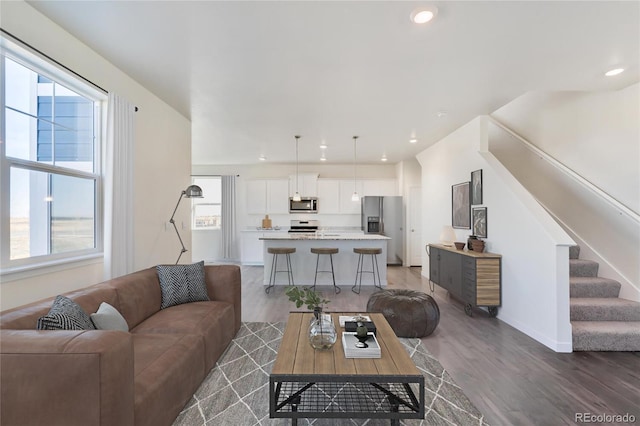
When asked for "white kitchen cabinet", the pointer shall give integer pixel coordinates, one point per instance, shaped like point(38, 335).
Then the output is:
point(348, 206)
point(307, 184)
point(268, 196)
point(251, 252)
point(328, 196)
point(277, 196)
point(379, 187)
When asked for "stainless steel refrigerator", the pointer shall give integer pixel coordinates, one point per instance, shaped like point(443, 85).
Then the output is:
point(383, 215)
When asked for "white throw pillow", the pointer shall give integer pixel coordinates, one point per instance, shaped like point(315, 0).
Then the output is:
point(108, 318)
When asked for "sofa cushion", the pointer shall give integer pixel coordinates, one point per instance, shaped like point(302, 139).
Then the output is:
point(138, 295)
point(167, 370)
point(182, 284)
point(65, 314)
point(108, 318)
point(212, 321)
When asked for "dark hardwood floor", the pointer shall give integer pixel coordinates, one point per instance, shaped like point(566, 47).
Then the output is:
point(510, 377)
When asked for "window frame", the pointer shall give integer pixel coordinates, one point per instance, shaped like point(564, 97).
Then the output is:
point(195, 202)
point(58, 74)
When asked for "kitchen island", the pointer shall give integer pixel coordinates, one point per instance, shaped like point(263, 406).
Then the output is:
point(303, 262)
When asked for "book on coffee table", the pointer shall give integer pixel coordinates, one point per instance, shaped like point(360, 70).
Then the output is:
point(349, 341)
point(344, 318)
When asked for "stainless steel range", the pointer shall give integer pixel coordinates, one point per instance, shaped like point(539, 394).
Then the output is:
point(304, 226)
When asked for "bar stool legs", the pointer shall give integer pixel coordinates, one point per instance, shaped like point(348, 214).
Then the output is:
point(330, 252)
point(373, 252)
point(274, 266)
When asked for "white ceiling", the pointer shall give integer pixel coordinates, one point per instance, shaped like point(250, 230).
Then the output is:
point(251, 75)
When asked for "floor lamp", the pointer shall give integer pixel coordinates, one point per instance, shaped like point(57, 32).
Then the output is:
point(192, 191)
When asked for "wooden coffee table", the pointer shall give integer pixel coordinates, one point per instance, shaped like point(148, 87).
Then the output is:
point(308, 383)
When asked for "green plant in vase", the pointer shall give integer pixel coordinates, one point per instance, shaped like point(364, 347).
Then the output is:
point(306, 296)
point(322, 332)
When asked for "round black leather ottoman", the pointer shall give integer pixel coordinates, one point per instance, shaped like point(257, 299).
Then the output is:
point(410, 313)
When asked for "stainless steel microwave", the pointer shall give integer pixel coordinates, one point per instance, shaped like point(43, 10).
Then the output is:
point(305, 205)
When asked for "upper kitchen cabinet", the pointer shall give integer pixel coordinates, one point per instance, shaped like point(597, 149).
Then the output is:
point(268, 196)
point(307, 184)
point(329, 196)
point(347, 205)
point(380, 187)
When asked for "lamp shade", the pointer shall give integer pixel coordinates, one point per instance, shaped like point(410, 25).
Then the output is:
point(193, 191)
point(447, 236)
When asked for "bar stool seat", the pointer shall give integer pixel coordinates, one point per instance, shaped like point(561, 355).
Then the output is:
point(375, 271)
point(275, 251)
point(330, 251)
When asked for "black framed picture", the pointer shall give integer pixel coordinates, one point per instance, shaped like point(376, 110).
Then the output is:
point(479, 216)
point(460, 206)
point(476, 187)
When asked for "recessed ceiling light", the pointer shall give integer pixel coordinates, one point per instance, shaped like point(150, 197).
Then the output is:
point(384, 158)
point(441, 114)
point(413, 140)
point(613, 72)
point(323, 158)
point(323, 145)
point(262, 158)
point(422, 15)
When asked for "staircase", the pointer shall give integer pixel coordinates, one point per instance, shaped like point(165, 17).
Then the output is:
point(600, 320)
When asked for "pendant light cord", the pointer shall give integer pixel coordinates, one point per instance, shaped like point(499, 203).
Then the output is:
point(354, 164)
point(297, 137)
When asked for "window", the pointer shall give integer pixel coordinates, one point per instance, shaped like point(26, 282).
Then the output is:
point(208, 209)
point(50, 165)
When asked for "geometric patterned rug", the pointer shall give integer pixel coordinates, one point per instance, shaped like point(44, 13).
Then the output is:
point(236, 391)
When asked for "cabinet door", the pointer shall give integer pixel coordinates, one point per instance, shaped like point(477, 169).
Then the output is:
point(251, 252)
point(434, 264)
point(451, 272)
point(277, 196)
point(306, 183)
point(328, 196)
point(256, 196)
point(347, 205)
point(379, 187)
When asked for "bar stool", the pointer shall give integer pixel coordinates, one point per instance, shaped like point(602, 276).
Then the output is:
point(275, 251)
point(373, 252)
point(330, 252)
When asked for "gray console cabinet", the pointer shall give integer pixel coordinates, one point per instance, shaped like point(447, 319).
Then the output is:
point(474, 278)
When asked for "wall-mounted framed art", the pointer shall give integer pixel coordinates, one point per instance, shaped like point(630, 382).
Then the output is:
point(460, 206)
point(479, 217)
point(476, 187)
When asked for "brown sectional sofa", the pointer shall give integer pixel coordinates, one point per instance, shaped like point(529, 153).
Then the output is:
point(103, 377)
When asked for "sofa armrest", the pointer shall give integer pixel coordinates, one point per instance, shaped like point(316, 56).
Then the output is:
point(66, 377)
point(224, 283)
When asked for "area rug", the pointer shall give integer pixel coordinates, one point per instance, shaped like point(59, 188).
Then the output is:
point(236, 391)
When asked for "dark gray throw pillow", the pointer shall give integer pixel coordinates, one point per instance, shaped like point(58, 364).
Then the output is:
point(65, 314)
point(182, 284)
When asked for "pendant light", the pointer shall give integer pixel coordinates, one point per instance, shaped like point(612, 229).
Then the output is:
point(296, 196)
point(355, 196)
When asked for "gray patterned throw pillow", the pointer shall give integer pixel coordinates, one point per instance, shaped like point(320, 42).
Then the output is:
point(182, 284)
point(65, 314)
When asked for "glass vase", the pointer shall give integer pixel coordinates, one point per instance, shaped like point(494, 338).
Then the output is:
point(322, 332)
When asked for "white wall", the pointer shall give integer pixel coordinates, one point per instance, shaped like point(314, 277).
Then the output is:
point(534, 249)
point(162, 162)
point(597, 135)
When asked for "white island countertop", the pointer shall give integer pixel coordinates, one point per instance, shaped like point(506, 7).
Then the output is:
point(324, 236)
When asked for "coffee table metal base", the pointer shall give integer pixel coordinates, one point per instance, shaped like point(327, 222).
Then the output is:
point(361, 396)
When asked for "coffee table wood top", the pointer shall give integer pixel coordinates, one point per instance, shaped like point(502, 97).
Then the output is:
point(297, 357)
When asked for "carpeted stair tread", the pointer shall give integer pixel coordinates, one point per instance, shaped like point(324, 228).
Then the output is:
point(574, 252)
point(606, 335)
point(583, 268)
point(603, 309)
point(593, 287)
